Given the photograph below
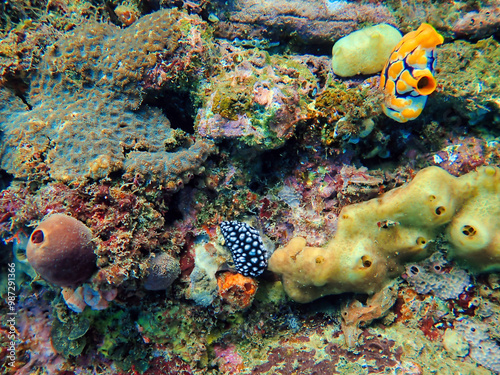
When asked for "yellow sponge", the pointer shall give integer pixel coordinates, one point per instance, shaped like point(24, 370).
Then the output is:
point(364, 51)
point(375, 239)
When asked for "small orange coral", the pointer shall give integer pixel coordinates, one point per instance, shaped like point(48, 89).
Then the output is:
point(237, 290)
point(127, 14)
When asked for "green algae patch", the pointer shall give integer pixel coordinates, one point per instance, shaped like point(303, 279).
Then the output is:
point(255, 98)
point(468, 75)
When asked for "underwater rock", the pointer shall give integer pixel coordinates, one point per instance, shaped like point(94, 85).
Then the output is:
point(61, 250)
point(162, 271)
point(256, 98)
point(468, 83)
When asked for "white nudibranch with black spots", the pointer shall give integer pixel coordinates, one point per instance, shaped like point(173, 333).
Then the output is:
point(247, 248)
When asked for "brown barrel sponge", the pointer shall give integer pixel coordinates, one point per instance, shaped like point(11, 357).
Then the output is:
point(61, 250)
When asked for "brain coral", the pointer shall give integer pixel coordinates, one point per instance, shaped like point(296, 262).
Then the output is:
point(86, 119)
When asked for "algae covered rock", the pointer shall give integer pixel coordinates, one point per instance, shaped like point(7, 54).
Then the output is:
point(255, 98)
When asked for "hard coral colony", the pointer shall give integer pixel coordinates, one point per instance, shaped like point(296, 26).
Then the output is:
point(155, 153)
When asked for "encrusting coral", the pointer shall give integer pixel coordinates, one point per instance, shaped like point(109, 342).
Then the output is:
point(376, 238)
point(86, 119)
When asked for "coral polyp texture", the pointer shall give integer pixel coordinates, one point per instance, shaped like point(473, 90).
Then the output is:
point(86, 120)
point(376, 238)
point(61, 250)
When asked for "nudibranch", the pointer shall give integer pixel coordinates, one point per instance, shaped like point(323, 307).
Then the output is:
point(247, 248)
point(407, 77)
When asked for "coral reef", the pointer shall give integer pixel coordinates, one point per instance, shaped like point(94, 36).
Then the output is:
point(256, 97)
point(61, 250)
point(155, 123)
point(345, 113)
point(462, 89)
point(374, 239)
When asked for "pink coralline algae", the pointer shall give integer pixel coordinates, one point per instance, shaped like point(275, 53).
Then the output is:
point(61, 250)
point(228, 359)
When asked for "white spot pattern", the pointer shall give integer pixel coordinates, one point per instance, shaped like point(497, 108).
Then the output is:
point(246, 247)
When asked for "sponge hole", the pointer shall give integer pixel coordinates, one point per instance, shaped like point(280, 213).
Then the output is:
point(367, 261)
point(37, 236)
point(440, 210)
point(432, 198)
point(421, 241)
point(469, 230)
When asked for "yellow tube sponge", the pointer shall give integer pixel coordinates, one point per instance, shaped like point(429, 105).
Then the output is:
point(474, 232)
point(376, 238)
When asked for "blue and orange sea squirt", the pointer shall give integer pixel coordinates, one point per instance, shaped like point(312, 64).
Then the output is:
point(407, 78)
